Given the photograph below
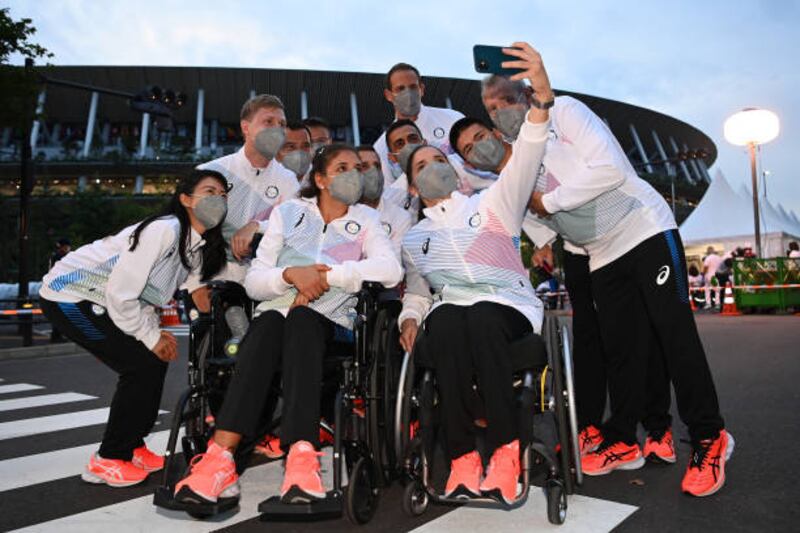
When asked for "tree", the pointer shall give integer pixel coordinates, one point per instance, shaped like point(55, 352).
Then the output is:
point(16, 88)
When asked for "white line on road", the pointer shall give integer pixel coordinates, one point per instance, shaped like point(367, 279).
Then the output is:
point(42, 400)
point(18, 387)
point(583, 514)
point(46, 424)
point(139, 514)
point(49, 466)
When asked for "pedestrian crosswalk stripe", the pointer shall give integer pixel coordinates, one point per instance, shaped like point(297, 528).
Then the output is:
point(583, 514)
point(49, 466)
point(18, 387)
point(42, 400)
point(46, 424)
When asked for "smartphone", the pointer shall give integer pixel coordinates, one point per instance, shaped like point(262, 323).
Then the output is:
point(488, 60)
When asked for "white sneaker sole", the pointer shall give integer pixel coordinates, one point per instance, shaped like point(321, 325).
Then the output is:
point(91, 477)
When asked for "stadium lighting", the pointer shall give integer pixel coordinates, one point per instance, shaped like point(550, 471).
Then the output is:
point(752, 127)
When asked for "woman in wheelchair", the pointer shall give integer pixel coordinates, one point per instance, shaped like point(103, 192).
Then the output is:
point(317, 252)
point(465, 253)
point(102, 296)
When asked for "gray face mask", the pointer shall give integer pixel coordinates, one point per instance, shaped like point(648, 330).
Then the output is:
point(298, 161)
point(347, 187)
point(404, 153)
point(269, 140)
point(373, 184)
point(408, 102)
point(436, 180)
point(509, 120)
point(211, 210)
point(487, 153)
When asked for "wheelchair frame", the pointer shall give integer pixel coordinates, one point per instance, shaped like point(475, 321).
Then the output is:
point(562, 472)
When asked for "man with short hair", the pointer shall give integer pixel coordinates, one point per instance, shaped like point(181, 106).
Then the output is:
point(588, 192)
point(258, 182)
point(295, 154)
point(405, 90)
point(320, 133)
point(394, 219)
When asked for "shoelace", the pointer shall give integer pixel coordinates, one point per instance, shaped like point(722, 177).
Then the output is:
point(206, 466)
point(308, 460)
point(700, 454)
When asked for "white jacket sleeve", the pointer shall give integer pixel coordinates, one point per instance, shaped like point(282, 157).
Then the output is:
point(509, 196)
point(264, 280)
point(380, 264)
point(417, 299)
point(128, 279)
point(602, 158)
point(539, 234)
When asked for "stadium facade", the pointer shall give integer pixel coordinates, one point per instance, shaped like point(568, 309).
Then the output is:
point(87, 139)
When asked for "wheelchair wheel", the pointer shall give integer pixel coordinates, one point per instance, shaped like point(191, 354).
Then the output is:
point(566, 352)
point(554, 349)
point(362, 494)
point(383, 382)
point(415, 499)
point(556, 501)
point(405, 411)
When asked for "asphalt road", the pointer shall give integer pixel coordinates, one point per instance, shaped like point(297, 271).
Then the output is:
point(47, 433)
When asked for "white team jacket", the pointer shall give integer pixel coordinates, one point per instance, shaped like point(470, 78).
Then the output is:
point(127, 283)
point(466, 250)
point(355, 246)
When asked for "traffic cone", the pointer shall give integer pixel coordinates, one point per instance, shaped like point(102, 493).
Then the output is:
point(691, 302)
point(169, 315)
point(729, 303)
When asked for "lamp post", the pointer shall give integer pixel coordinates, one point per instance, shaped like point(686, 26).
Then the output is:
point(752, 127)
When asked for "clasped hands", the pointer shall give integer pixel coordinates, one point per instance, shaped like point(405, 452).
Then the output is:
point(310, 281)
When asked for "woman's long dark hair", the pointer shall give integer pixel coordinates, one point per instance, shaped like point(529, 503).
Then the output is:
point(214, 249)
point(320, 163)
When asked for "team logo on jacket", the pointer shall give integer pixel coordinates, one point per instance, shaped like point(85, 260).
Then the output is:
point(425, 245)
point(271, 192)
point(98, 310)
point(387, 227)
point(438, 133)
point(552, 135)
point(475, 220)
point(300, 220)
point(352, 227)
point(663, 275)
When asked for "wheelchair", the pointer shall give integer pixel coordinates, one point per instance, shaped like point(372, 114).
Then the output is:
point(356, 369)
point(544, 385)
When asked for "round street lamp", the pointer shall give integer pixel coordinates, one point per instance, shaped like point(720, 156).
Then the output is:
point(751, 127)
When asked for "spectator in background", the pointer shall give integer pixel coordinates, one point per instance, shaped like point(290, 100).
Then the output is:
point(794, 250)
point(697, 286)
point(711, 263)
point(63, 247)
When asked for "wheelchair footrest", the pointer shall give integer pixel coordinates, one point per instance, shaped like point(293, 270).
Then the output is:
point(330, 507)
point(165, 499)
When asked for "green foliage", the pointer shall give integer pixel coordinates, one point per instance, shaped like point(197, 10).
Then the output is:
point(17, 88)
point(82, 218)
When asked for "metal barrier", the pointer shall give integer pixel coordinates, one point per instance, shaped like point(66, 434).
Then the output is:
point(767, 283)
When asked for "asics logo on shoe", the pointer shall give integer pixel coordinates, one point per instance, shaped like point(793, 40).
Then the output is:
point(663, 275)
point(219, 481)
point(111, 470)
point(613, 457)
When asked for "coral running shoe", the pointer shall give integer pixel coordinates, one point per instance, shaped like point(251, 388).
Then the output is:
point(302, 482)
point(212, 475)
point(659, 448)
point(612, 456)
point(270, 446)
point(465, 477)
point(589, 439)
point(147, 460)
point(113, 472)
point(503, 474)
point(706, 472)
